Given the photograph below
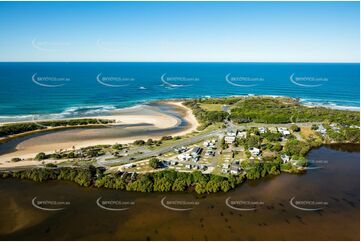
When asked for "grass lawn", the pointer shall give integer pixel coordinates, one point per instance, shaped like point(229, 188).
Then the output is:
point(211, 107)
point(307, 133)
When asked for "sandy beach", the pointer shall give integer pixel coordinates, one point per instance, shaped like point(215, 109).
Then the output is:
point(139, 122)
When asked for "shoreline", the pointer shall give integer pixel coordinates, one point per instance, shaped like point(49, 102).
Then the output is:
point(143, 117)
point(140, 122)
point(303, 101)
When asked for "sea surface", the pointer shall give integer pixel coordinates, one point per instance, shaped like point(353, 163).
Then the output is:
point(331, 189)
point(63, 90)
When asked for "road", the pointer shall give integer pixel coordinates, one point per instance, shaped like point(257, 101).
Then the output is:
point(145, 153)
point(150, 153)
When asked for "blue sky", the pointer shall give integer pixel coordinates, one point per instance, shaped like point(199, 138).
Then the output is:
point(180, 31)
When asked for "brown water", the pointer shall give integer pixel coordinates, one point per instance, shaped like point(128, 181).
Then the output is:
point(336, 185)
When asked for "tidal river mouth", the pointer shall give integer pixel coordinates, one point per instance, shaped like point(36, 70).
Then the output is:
point(323, 204)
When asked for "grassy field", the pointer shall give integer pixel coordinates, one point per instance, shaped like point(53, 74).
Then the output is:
point(211, 107)
point(307, 133)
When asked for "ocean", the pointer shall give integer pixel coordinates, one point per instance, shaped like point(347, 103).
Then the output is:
point(65, 90)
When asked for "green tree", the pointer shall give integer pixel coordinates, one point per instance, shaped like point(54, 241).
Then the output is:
point(179, 185)
point(212, 186)
point(225, 186)
point(40, 156)
point(162, 185)
point(154, 163)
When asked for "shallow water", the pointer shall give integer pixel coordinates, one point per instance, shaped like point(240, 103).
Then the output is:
point(335, 184)
point(88, 134)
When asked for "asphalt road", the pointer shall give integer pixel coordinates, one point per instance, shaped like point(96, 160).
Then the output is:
point(150, 153)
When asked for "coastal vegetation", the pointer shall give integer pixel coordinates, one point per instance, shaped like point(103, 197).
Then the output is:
point(240, 151)
point(86, 152)
point(269, 110)
point(285, 110)
point(278, 110)
point(162, 181)
point(17, 128)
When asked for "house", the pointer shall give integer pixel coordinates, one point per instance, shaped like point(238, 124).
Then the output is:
point(173, 162)
point(195, 159)
point(188, 166)
point(224, 170)
point(184, 157)
point(283, 131)
point(232, 133)
point(209, 143)
point(335, 127)
point(322, 130)
point(203, 167)
point(127, 166)
point(235, 170)
point(242, 134)
point(254, 151)
point(229, 139)
point(180, 150)
point(210, 153)
point(285, 158)
point(354, 127)
point(262, 130)
point(196, 151)
point(225, 166)
point(206, 143)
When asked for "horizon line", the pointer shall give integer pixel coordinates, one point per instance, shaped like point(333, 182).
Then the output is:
point(300, 62)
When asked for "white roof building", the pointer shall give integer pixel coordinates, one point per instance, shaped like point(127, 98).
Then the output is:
point(235, 170)
point(254, 151)
point(229, 139)
point(321, 129)
point(335, 127)
point(224, 170)
point(231, 133)
point(184, 157)
point(262, 130)
point(284, 131)
point(127, 166)
point(206, 143)
point(242, 134)
point(285, 158)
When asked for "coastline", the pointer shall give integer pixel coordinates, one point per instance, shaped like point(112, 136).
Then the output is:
point(132, 120)
point(139, 122)
point(69, 113)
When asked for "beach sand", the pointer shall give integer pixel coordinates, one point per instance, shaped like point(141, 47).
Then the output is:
point(141, 122)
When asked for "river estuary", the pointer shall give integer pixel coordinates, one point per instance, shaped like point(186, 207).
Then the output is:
point(322, 204)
